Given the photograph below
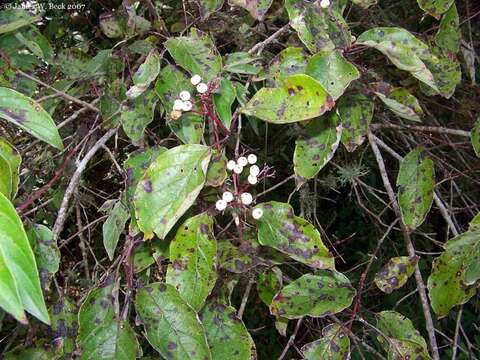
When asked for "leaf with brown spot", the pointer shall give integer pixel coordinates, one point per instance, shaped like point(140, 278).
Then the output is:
point(269, 283)
point(395, 273)
point(333, 345)
point(325, 293)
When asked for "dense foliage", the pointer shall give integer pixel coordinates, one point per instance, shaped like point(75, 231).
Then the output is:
point(239, 179)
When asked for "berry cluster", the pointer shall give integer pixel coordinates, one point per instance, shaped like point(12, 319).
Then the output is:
point(183, 103)
point(245, 197)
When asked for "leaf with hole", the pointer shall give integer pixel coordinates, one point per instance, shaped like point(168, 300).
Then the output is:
point(333, 345)
point(192, 270)
point(169, 187)
point(299, 98)
point(227, 336)
point(316, 145)
point(333, 71)
point(325, 293)
point(172, 327)
point(280, 229)
point(29, 115)
point(416, 183)
point(395, 273)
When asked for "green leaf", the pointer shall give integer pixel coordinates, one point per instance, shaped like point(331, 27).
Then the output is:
point(5, 178)
point(316, 145)
point(111, 26)
point(189, 128)
point(64, 315)
point(223, 101)
point(217, 170)
point(435, 7)
point(29, 115)
point(269, 283)
point(227, 336)
point(400, 102)
point(196, 53)
point(332, 71)
point(395, 273)
point(356, 113)
point(454, 272)
point(448, 36)
point(145, 75)
point(137, 114)
point(416, 183)
point(47, 254)
point(280, 229)
point(192, 255)
point(403, 340)
point(289, 61)
point(18, 270)
point(403, 49)
point(182, 171)
point(300, 98)
point(475, 137)
point(326, 293)
point(113, 227)
point(207, 7)
point(171, 326)
point(240, 63)
point(101, 334)
point(257, 8)
point(334, 345)
point(14, 19)
point(319, 29)
point(20, 353)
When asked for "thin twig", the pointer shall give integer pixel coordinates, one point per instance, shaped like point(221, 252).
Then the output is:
point(258, 48)
point(434, 129)
point(457, 331)
point(291, 340)
point(409, 245)
point(241, 310)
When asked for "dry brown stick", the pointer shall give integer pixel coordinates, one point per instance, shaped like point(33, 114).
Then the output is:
point(241, 310)
point(62, 212)
point(434, 129)
point(259, 47)
point(457, 331)
point(409, 245)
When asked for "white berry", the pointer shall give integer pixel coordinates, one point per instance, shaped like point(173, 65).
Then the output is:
point(231, 164)
point(257, 213)
point(252, 159)
point(254, 170)
point(202, 88)
point(252, 179)
point(227, 196)
point(184, 95)
point(246, 198)
point(187, 106)
point(242, 161)
point(324, 4)
point(175, 114)
point(195, 80)
point(221, 205)
point(178, 104)
point(238, 169)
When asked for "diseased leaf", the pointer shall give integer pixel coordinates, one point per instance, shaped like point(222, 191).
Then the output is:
point(223, 101)
point(172, 326)
point(12, 160)
point(403, 340)
point(137, 114)
point(101, 334)
point(280, 229)
point(399, 101)
point(207, 7)
point(326, 293)
point(240, 63)
point(111, 26)
point(193, 260)
point(356, 113)
point(64, 315)
point(227, 336)
point(455, 272)
point(435, 7)
point(299, 98)
point(416, 182)
point(237, 259)
point(403, 49)
point(19, 280)
point(289, 61)
point(217, 170)
point(334, 345)
point(316, 145)
point(395, 273)
point(269, 283)
point(169, 187)
point(319, 29)
point(196, 53)
point(475, 137)
point(146, 74)
point(448, 36)
point(332, 71)
point(29, 115)
point(14, 19)
point(113, 227)
point(257, 8)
